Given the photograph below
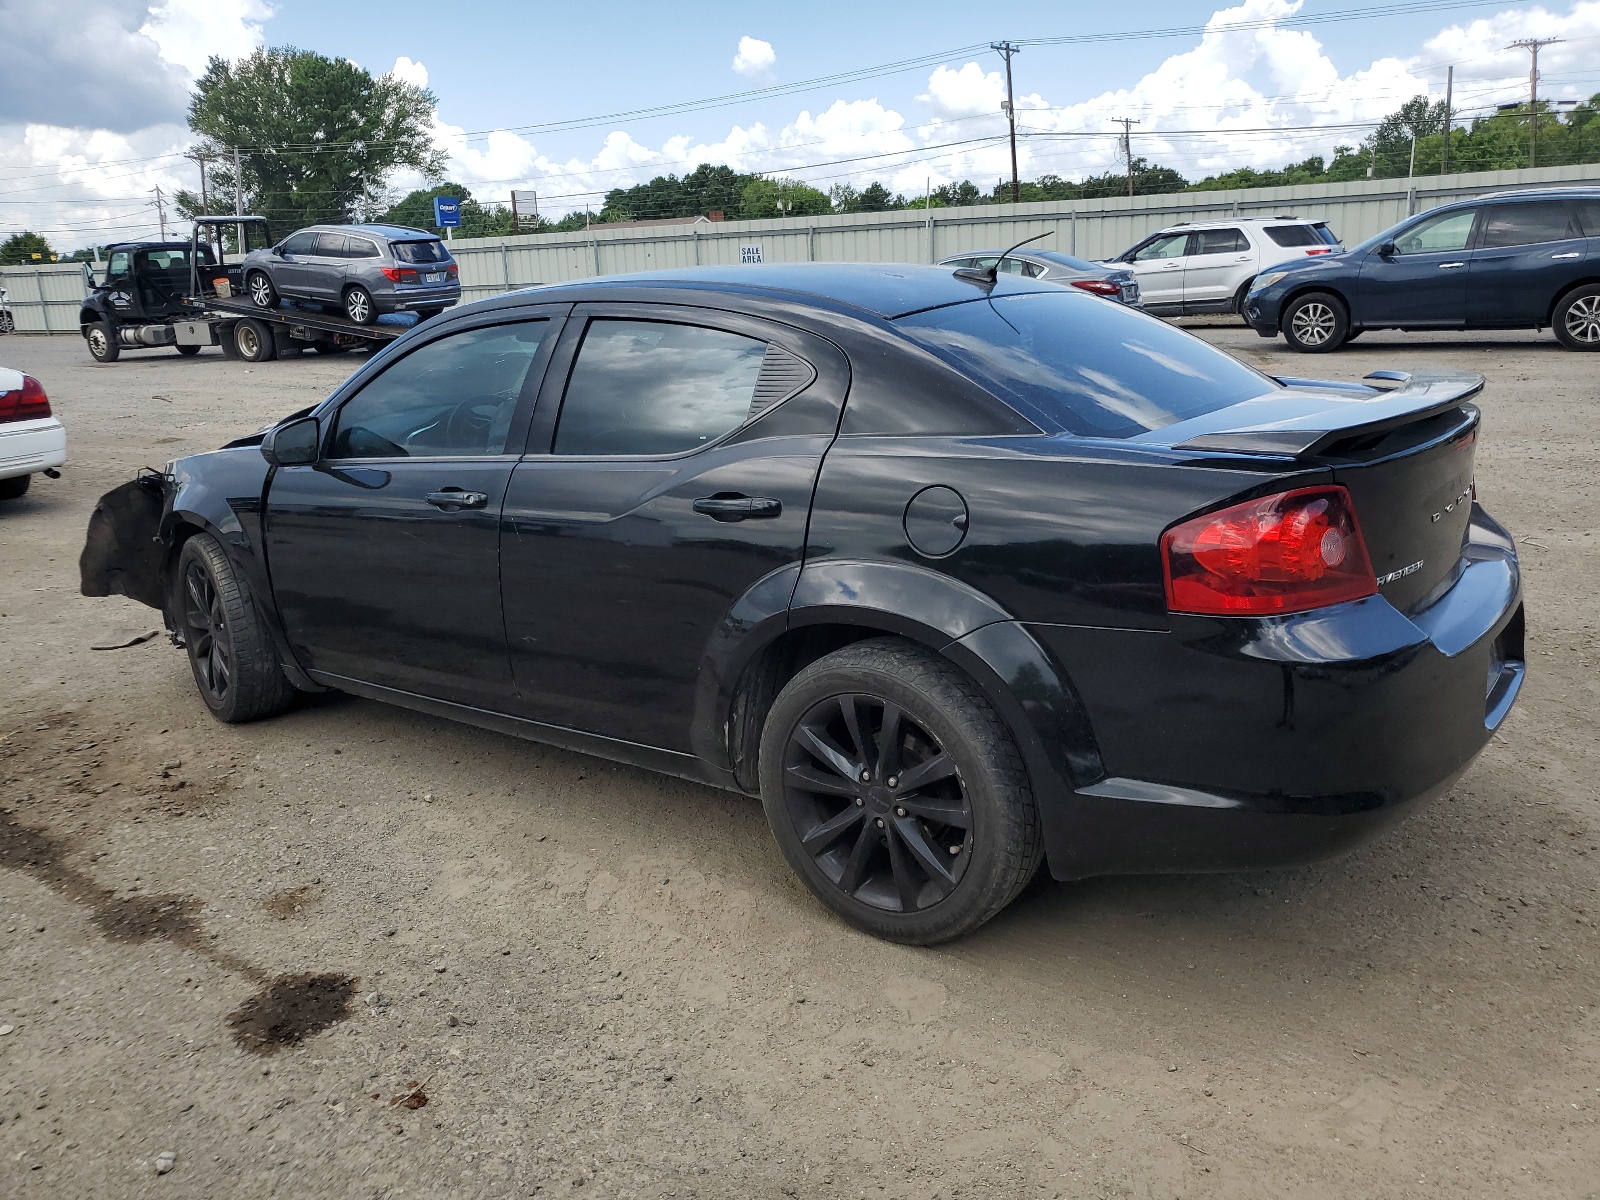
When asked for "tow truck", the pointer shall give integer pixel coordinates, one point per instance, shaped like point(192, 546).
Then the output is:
point(187, 296)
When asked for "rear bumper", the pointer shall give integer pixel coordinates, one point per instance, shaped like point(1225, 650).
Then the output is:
point(411, 298)
point(29, 446)
point(1231, 744)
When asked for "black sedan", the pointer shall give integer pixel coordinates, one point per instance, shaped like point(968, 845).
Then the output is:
point(959, 574)
point(1513, 260)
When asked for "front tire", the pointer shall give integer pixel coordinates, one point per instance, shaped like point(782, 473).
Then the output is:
point(358, 306)
point(262, 292)
point(1316, 323)
point(102, 339)
point(896, 793)
point(1576, 320)
point(236, 668)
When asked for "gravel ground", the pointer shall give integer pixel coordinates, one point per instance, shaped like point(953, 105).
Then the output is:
point(356, 951)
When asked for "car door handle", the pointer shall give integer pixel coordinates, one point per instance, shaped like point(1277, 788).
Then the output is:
point(452, 499)
point(738, 508)
point(1571, 254)
point(1449, 266)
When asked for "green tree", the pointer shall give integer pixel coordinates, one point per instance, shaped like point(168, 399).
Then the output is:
point(25, 248)
point(707, 189)
point(318, 136)
point(765, 199)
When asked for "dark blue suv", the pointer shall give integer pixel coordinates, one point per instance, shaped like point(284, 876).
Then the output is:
point(1515, 260)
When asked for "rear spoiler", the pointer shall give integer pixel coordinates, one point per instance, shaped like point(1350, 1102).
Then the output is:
point(1402, 399)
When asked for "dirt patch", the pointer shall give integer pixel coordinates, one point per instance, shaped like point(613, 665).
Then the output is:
point(291, 902)
point(290, 1009)
point(143, 918)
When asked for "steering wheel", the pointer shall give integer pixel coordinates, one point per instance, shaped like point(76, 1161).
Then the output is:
point(470, 423)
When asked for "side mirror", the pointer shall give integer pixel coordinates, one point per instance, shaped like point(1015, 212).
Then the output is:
point(292, 445)
point(1386, 250)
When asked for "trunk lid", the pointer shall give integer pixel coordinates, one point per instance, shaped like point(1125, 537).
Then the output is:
point(1403, 449)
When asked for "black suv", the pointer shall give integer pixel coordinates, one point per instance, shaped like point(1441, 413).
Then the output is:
point(1515, 260)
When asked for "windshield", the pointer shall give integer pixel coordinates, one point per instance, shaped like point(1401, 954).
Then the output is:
point(1079, 365)
point(420, 252)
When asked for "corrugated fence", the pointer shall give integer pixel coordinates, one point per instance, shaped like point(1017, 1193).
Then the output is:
point(43, 298)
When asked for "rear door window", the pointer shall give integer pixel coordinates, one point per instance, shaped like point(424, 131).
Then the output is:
point(1588, 216)
point(656, 387)
point(1075, 364)
point(1529, 223)
point(1219, 241)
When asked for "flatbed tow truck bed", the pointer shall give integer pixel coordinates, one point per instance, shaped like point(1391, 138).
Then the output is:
point(288, 326)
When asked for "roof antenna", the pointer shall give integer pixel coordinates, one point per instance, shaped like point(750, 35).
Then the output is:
point(987, 275)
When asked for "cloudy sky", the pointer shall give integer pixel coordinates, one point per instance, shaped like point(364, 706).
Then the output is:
point(555, 99)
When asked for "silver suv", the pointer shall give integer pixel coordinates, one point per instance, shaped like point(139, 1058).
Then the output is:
point(363, 269)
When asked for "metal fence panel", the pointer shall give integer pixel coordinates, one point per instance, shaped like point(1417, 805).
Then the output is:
point(45, 298)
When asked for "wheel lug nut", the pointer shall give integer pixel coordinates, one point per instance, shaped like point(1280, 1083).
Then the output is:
point(866, 777)
point(879, 822)
point(955, 849)
point(893, 781)
point(899, 812)
point(859, 801)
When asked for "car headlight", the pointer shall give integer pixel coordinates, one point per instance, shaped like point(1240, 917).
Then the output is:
point(1267, 280)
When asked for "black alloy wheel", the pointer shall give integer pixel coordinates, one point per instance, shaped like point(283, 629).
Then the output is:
point(897, 794)
point(879, 805)
point(102, 339)
point(235, 665)
point(358, 306)
point(262, 293)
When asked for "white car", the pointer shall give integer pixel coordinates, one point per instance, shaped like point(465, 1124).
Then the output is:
point(31, 439)
point(1206, 267)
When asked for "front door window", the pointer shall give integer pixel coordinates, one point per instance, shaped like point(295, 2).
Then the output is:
point(1442, 235)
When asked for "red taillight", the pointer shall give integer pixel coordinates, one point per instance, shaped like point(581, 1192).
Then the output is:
point(399, 274)
point(454, 271)
point(1279, 554)
point(1100, 287)
point(1320, 250)
point(26, 403)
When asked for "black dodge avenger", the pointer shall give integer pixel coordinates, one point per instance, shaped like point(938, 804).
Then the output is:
point(958, 574)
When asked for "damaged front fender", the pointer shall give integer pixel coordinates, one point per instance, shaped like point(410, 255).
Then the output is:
point(124, 553)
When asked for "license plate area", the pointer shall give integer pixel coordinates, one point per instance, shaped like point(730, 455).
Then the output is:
point(433, 277)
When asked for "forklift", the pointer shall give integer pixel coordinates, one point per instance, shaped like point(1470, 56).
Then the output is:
point(187, 296)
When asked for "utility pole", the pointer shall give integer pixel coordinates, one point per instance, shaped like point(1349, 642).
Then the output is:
point(1449, 97)
point(1007, 49)
point(1127, 124)
point(1533, 46)
point(238, 199)
point(161, 211)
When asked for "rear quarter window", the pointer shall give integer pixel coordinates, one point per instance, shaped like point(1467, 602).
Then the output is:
point(1295, 235)
point(1075, 364)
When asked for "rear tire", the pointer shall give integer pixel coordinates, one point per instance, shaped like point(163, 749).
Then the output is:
point(102, 339)
point(1316, 323)
point(235, 665)
point(253, 340)
point(16, 487)
point(358, 305)
point(262, 292)
point(860, 842)
point(1576, 321)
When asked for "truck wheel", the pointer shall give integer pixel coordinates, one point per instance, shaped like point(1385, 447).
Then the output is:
point(253, 341)
point(262, 293)
point(1315, 323)
point(235, 665)
point(358, 306)
point(897, 794)
point(102, 339)
point(188, 351)
point(15, 488)
point(1577, 318)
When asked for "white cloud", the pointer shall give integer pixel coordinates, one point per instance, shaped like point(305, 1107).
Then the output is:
point(754, 57)
point(966, 92)
point(410, 72)
point(191, 32)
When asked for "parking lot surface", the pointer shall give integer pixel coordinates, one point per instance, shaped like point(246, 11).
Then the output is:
point(514, 970)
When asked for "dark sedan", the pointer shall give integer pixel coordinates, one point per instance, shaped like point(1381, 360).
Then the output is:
point(1514, 260)
point(957, 573)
